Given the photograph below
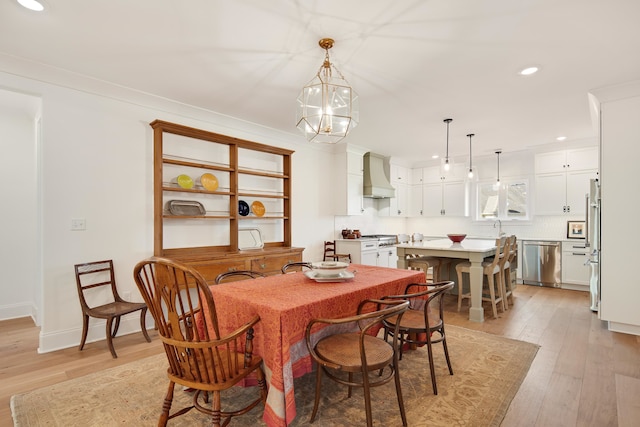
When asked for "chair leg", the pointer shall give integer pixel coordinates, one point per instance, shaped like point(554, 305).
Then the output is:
point(143, 324)
point(317, 399)
point(492, 294)
point(109, 338)
point(432, 367)
point(446, 350)
point(367, 395)
point(85, 330)
point(166, 406)
point(503, 287)
point(396, 374)
point(216, 409)
point(116, 327)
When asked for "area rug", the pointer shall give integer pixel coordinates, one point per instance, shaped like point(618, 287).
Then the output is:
point(488, 371)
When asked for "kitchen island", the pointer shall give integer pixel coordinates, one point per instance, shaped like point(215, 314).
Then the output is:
point(473, 250)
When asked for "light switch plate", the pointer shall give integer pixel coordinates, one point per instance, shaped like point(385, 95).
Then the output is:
point(78, 224)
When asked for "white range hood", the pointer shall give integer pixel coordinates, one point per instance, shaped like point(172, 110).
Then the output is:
point(376, 177)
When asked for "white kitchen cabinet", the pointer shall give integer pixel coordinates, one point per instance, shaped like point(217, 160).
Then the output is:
point(415, 200)
point(348, 181)
point(575, 274)
point(387, 257)
point(565, 160)
point(441, 193)
point(398, 205)
point(562, 180)
point(367, 252)
point(368, 258)
point(363, 251)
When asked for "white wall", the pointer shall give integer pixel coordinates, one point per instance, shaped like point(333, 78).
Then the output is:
point(18, 215)
point(97, 165)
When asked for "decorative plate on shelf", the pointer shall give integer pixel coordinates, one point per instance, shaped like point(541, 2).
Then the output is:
point(243, 208)
point(209, 181)
point(257, 208)
point(185, 181)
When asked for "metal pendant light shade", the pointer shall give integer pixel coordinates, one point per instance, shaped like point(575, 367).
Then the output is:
point(470, 157)
point(327, 106)
point(447, 166)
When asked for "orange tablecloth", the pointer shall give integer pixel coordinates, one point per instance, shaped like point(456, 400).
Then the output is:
point(285, 304)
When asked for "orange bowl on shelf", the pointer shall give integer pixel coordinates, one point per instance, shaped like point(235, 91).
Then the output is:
point(209, 181)
point(456, 238)
point(257, 208)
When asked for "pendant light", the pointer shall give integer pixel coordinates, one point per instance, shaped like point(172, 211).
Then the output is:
point(498, 152)
point(447, 166)
point(327, 106)
point(470, 158)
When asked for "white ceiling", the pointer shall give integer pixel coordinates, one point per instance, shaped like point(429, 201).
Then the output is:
point(413, 62)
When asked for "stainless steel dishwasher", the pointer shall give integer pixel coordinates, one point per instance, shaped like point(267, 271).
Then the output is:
point(542, 263)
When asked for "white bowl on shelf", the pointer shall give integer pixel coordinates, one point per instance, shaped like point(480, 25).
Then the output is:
point(329, 268)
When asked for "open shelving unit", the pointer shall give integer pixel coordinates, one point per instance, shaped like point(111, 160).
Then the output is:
point(246, 172)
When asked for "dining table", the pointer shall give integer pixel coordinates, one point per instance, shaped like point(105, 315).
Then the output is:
point(472, 250)
point(286, 303)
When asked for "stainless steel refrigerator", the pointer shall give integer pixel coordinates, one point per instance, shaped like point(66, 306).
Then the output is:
point(593, 241)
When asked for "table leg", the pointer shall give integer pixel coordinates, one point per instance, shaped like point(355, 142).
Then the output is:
point(476, 312)
point(402, 259)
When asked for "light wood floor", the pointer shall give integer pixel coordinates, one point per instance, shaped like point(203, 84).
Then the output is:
point(583, 375)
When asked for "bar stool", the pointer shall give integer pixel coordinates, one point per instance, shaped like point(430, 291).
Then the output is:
point(425, 263)
point(506, 271)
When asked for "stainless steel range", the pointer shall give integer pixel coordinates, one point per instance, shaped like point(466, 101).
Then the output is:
point(382, 239)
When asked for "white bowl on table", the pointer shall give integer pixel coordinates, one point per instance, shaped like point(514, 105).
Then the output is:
point(329, 268)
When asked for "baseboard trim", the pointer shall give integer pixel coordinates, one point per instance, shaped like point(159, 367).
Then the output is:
point(624, 328)
point(15, 311)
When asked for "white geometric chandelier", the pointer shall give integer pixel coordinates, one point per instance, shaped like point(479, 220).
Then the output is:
point(327, 106)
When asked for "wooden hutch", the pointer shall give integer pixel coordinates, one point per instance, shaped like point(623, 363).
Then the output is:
point(200, 223)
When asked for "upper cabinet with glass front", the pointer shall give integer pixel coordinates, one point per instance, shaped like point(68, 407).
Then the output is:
point(507, 200)
point(510, 199)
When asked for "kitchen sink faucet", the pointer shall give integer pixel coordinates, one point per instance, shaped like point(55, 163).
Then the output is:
point(499, 223)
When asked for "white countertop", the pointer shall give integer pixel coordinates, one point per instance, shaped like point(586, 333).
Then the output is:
point(467, 245)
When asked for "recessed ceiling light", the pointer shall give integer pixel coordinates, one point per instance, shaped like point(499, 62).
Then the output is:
point(529, 71)
point(561, 138)
point(32, 5)
point(435, 156)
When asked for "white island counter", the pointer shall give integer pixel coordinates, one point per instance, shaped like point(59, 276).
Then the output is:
point(473, 250)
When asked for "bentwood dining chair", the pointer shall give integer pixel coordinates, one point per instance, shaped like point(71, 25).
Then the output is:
point(91, 279)
point(295, 266)
point(199, 356)
point(423, 319)
point(232, 276)
point(358, 359)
